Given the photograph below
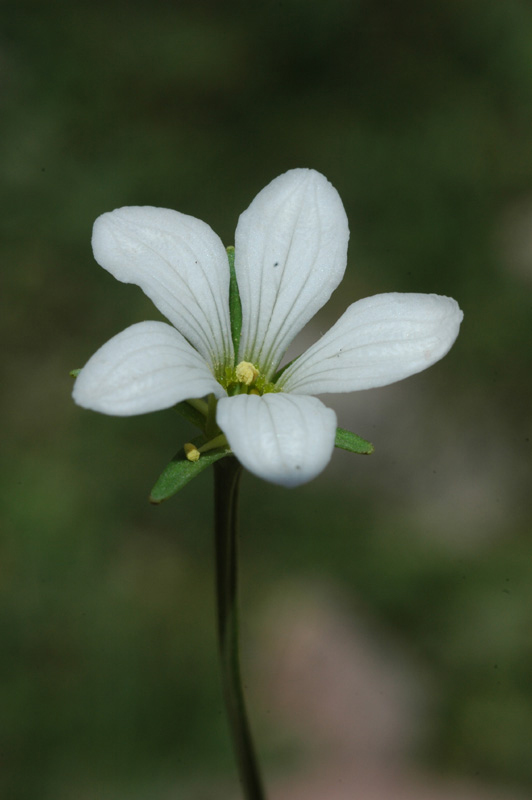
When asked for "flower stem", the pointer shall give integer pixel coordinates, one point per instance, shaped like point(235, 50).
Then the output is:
point(226, 483)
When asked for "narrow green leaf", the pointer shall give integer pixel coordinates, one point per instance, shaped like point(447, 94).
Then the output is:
point(180, 471)
point(235, 306)
point(351, 442)
point(190, 414)
point(74, 372)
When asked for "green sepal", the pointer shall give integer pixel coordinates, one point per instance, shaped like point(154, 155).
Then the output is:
point(235, 306)
point(74, 372)
point(346, 440)
point(282, 369)
point(191, 414)
point(180, 471)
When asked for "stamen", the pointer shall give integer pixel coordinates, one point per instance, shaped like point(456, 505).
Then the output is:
point(218, 441)
point(246, 373)
point(191, 451)
point(199, 405)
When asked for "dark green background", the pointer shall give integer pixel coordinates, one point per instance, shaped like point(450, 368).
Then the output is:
point(420, 113)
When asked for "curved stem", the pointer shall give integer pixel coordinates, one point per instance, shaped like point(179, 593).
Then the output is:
point(226, 482)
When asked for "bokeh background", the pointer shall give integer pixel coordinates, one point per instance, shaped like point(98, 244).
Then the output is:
point(387, 606)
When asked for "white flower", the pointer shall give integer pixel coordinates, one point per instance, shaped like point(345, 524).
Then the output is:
point(290, 255)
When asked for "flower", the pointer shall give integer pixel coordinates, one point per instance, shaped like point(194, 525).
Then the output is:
point(290, 255)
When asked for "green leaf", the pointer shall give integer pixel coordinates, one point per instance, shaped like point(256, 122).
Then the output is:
point(180, 471)
point(190, 414)
point(235, 306)
point(74, 372)
point(346, 440)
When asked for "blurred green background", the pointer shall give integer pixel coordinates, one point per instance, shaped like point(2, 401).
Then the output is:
point(421, 115)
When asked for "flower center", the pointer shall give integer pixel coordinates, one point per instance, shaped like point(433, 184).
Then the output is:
point(245, 378)
point(246, 373)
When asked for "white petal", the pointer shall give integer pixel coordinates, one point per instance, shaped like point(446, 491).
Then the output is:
point(377, 341)
point(147, 367)
point(290, 255)
point(281, 438)
point(180, 263)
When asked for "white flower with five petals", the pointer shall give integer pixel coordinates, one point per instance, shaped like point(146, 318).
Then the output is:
point(290, 255)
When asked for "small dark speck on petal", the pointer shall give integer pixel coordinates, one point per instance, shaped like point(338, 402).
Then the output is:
point(276, 264)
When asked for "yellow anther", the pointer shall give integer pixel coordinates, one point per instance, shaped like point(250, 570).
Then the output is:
point(246, 373)
point(254, 391)
point(191, 451)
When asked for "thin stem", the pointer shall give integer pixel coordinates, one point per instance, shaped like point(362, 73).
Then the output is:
point(226, 482)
